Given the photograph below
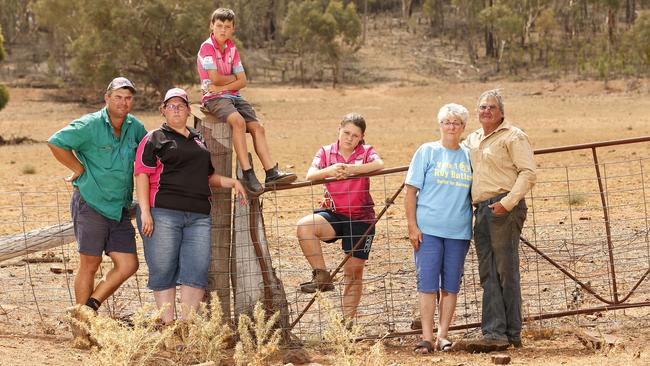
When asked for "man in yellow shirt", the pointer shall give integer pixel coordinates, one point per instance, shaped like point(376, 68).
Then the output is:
point(504, 171)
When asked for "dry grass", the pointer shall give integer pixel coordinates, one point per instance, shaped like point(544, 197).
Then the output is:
point(202, 338)
point(204, 335)
point(340, 336)
point(119, 344)
point(258, 340)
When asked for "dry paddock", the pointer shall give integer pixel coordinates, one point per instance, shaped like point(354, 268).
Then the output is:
point(565, 219)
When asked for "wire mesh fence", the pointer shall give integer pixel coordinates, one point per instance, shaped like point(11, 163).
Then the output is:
point(584, 247)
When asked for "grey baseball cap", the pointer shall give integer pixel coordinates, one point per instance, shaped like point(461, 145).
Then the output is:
point(119, 83)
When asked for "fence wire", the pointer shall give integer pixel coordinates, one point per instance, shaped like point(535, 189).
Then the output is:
point(570, 261)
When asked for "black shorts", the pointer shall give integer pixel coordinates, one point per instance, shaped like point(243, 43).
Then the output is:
point(349, 231)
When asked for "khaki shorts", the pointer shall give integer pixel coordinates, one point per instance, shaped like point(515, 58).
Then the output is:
point(224, 107)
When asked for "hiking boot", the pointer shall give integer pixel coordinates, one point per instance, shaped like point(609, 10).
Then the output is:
point(277, 176)
point(78, 316)
point(320, 281)
point(485, 345)
point(250, 182)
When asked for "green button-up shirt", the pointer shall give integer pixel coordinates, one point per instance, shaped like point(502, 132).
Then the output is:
point(107, 181)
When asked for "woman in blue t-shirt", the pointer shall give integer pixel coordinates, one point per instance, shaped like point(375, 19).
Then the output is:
point(439, 216)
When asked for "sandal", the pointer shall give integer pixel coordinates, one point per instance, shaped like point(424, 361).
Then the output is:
point(445, 344)
point(423, 347)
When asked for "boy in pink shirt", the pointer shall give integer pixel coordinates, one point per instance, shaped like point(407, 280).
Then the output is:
point(222, 76)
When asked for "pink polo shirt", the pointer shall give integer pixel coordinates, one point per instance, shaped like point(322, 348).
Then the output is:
point(227, 62)
point(349, 197)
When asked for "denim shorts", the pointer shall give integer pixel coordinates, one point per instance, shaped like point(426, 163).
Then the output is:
point(178, 251)
point(349, 231)
point(96, 234)
point(440, 263)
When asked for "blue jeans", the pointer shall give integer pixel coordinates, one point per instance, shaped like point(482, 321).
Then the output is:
point(497, 247)
point(178, 251)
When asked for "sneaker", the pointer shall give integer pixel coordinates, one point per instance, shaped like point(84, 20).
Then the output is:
point(78, 316)
point(485, 345)
point(320, 281)
point(250, 182)
point(277, 176)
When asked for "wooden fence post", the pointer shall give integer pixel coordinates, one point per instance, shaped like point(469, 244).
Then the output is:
point(254, 278)
point(218, 140)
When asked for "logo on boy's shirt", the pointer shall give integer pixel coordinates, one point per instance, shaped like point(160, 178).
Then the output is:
point(208, 60)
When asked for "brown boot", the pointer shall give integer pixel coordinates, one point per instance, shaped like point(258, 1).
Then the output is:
point(320, 281)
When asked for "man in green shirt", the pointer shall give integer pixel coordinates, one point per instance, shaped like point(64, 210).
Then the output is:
point(99, 148)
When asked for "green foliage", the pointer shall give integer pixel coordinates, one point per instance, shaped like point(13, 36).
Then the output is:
point(4, 96)
point(506, 24)
point(4, 93)
point(432, 10)
point(256, 22)
point(2, 49)
point(639, 38)
point(328, 31)
point(15, 18)
point(152, 41)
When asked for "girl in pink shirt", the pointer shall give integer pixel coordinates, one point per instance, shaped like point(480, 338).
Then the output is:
point(347, 211)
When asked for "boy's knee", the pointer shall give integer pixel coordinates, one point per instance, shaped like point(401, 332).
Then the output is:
point(256, 128)
point(236, 121)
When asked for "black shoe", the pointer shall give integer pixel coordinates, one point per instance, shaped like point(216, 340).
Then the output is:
point(515, 342)
point(277, 176)
point(250, 182)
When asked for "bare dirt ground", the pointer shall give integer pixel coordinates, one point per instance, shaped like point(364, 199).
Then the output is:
point(400, 118)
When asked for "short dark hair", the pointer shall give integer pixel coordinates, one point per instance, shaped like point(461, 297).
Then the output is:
point(223, 14)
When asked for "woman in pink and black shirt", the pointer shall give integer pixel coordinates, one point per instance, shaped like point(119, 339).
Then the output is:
point(347, 212)
point(173, 176)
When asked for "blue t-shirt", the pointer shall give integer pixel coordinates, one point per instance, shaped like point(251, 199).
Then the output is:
point(444, 180)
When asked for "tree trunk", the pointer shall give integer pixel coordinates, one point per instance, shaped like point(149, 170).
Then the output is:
point(335, 73)
point(490, 49)
point(407, 8)
point(630, 11)
point(611, 28)
point(218, 140)
point(365, 22)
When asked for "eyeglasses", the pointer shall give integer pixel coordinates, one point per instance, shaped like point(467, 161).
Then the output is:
point(176, 107)
point(449, 124)
point(486, 107)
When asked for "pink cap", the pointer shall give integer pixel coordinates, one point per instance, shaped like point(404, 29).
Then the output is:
point(176, 92)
